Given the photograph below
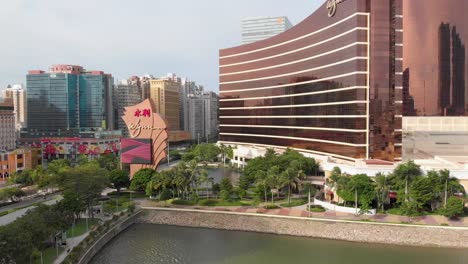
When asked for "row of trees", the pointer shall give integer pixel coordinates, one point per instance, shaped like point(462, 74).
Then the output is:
point(274, 173)
point(81, 187)
point(416, 193)
point(182, 181)
point(208, 153)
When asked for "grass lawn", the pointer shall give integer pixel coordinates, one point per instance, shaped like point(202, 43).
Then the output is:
point(80, 227)
point(294, 202)
point(49, 255)
point(213, 202)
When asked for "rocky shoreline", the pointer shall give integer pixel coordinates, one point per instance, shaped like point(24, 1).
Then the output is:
point(403, 235)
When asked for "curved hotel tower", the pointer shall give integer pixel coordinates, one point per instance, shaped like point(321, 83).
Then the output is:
point(330, 86)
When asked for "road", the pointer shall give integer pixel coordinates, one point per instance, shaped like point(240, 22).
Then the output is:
point(5, 220)
point(164, 166)
point(28, 202)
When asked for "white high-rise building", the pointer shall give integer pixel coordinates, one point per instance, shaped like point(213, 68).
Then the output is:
point(260, 28)
point(18, 95)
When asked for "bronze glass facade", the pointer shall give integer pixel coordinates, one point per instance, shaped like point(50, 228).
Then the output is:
point(435, 40)
point(326, 86)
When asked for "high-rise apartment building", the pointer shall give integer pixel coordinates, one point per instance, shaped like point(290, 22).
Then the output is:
point(125, 95)
point(7, 125)
point(165, 96)
point(260, 28)
point(67, 98)
point(18, 95)
point(203, 116)
point(143, 84)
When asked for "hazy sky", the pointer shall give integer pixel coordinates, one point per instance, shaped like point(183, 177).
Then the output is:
point(126, 37)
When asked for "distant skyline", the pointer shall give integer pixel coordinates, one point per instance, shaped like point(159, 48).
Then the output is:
point(127, 38)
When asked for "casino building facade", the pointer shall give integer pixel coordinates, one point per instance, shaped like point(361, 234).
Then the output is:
point(331, 85)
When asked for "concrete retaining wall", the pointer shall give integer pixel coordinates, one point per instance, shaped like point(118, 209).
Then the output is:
point(119, 227)
point(371, 232)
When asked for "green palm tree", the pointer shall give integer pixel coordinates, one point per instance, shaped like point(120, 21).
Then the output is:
point(382, 189)
point(261, 179)
point(291, 177)
point(274, 180)
point(408, 172)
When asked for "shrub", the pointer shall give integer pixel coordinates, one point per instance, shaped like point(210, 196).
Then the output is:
point(225, 195)
point(208, 202)
point(317, 209)
point(182, 202)
point(271, 206)
point(455, 207)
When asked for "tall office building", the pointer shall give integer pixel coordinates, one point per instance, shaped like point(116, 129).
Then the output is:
point(69, 98)
point(125, 95)
point(329, 86)
point(18, 95)
point(7, 125)
point(165, 95)
point(260, 28)
point(211, 106)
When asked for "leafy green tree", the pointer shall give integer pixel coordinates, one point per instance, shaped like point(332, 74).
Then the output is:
point(109, 162)
point(141, 179)
point(87, 181)
point(358, 189)
point(23, 178)
point(422, 192)
point(11, 193)
point(226, 188)
point(455, 207)
point(407, 172)
point(119, 179)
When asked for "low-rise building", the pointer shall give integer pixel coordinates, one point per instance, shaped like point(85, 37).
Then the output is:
point(18, 160)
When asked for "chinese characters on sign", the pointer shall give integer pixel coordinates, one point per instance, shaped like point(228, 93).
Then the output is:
point(143, 113)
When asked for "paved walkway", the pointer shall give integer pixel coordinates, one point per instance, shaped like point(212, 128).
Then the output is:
point(71, 243)
point(301, 211)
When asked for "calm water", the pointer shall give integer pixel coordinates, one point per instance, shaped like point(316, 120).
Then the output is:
point(220, 173)
point(154, 244)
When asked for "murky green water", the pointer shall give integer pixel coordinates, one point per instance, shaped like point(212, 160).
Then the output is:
point(145, 244)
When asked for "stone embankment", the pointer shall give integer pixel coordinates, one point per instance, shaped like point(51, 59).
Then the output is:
point(371, 232)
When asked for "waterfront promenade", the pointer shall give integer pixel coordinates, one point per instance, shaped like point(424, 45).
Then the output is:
point(301, 211)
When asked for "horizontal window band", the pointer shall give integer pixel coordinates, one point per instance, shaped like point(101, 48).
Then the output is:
point(293, 106)
point(297, 138)
point(398, 102)
point(296, 50)
point(299, 128)
point(297, 72)
point(299, 38)
point(320, 153)
point(293, 117)
point(297, 83)
point(295, 95)
point(297, 61)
